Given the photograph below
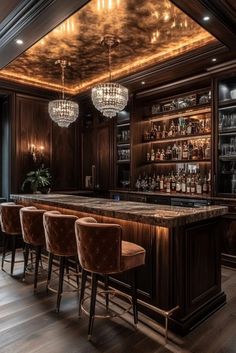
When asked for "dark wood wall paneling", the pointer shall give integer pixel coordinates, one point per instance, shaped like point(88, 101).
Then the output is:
point(31, 124)
point(32, 127)
point(97, 136)
point(65, 157)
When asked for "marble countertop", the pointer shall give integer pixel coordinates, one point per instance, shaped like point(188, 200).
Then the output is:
point(154, 214)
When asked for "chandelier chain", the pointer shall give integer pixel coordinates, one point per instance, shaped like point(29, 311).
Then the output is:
point(109, 61)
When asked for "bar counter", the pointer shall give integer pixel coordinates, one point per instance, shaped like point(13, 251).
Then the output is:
point(182, 251)
point(157, 215)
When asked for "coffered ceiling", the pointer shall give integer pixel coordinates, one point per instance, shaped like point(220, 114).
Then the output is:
point(151, 34)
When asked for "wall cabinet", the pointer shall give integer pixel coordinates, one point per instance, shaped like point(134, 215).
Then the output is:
point(226, 137)
point(174, 145)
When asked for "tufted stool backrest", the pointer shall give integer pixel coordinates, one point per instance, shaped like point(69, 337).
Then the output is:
point(98, 245)
point(60, 233)
point(10, 218)
point(31, 220)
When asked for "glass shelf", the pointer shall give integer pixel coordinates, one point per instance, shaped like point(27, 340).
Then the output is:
point(179, 161)
point(180, 138)
point(186, 112)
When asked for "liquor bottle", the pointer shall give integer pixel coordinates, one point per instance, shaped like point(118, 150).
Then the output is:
point(189, 128)
point(208, 151)
point(174, 152)
point(162, 183)
point(178, 183)
point(178, 128)
point(148, 156)
point(173, 183)
point(152, 155)
point(168, 184)
point(192, 185)
point(200, 152)
point(205, 186)
point(158, 183)
point(183, 184)
point(190, 150)
point(153, 133)
point(158, 155)
point(195, 151)
point(165, 183)
point(180, 152)
point(185, 151)
point(199, 185)
point(188, 185)
point(164, 132)
point(162, 155)
point(183, 127)
point(171, 132)
point(168, 154)
point(158, 132)
point(138, 183)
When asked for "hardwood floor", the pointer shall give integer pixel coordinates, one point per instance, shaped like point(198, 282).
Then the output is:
point(29, 324)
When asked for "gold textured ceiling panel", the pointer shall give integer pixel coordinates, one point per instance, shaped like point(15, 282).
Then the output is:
point(150, 32)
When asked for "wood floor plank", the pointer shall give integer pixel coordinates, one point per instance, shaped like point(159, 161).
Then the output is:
point(30, 324)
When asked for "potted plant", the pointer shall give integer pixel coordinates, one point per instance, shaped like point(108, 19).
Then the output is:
point(37, 181)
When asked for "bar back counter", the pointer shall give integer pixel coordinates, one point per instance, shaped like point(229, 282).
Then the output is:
point(182, 252)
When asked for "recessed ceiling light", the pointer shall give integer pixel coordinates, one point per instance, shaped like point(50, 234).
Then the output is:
point(214, 60)
point(19, 41)
point(206, 18)
point(143, 83)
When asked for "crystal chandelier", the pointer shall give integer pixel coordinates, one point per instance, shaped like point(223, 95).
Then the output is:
point(63, 111)
point(110, 98)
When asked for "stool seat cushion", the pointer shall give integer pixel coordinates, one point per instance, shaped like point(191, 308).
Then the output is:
point(60, 233)
point(10, 218)
point(132, 255)
point(32, 226)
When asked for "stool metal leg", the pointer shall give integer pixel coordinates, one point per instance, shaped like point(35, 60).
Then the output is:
point(13, 253)
point(134, 296)
point(106, 287)
point(38, 255)
point(60, 285)
point(92, 305)
point(4, 250)
point(77, 268)
point(82, 289)
point(50, 261)
point(26, 257)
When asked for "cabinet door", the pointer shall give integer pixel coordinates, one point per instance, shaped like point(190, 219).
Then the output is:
point(228, 239)
point(226, 181)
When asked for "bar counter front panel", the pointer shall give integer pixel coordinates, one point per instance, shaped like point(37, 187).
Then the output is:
point(182, 252)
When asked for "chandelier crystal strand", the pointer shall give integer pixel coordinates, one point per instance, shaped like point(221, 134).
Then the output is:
point(110, 98)
point(63, 111)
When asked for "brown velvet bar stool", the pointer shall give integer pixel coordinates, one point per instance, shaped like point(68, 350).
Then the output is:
point(11, 230)
point(60, 241)
point(33, 235)
point(102, 251)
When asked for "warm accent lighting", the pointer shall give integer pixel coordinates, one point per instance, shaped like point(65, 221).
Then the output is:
point(107, 4)
point(19, 41)
point(62, 111)
point(110, 98)
point(206, 18)
point(37, 152)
